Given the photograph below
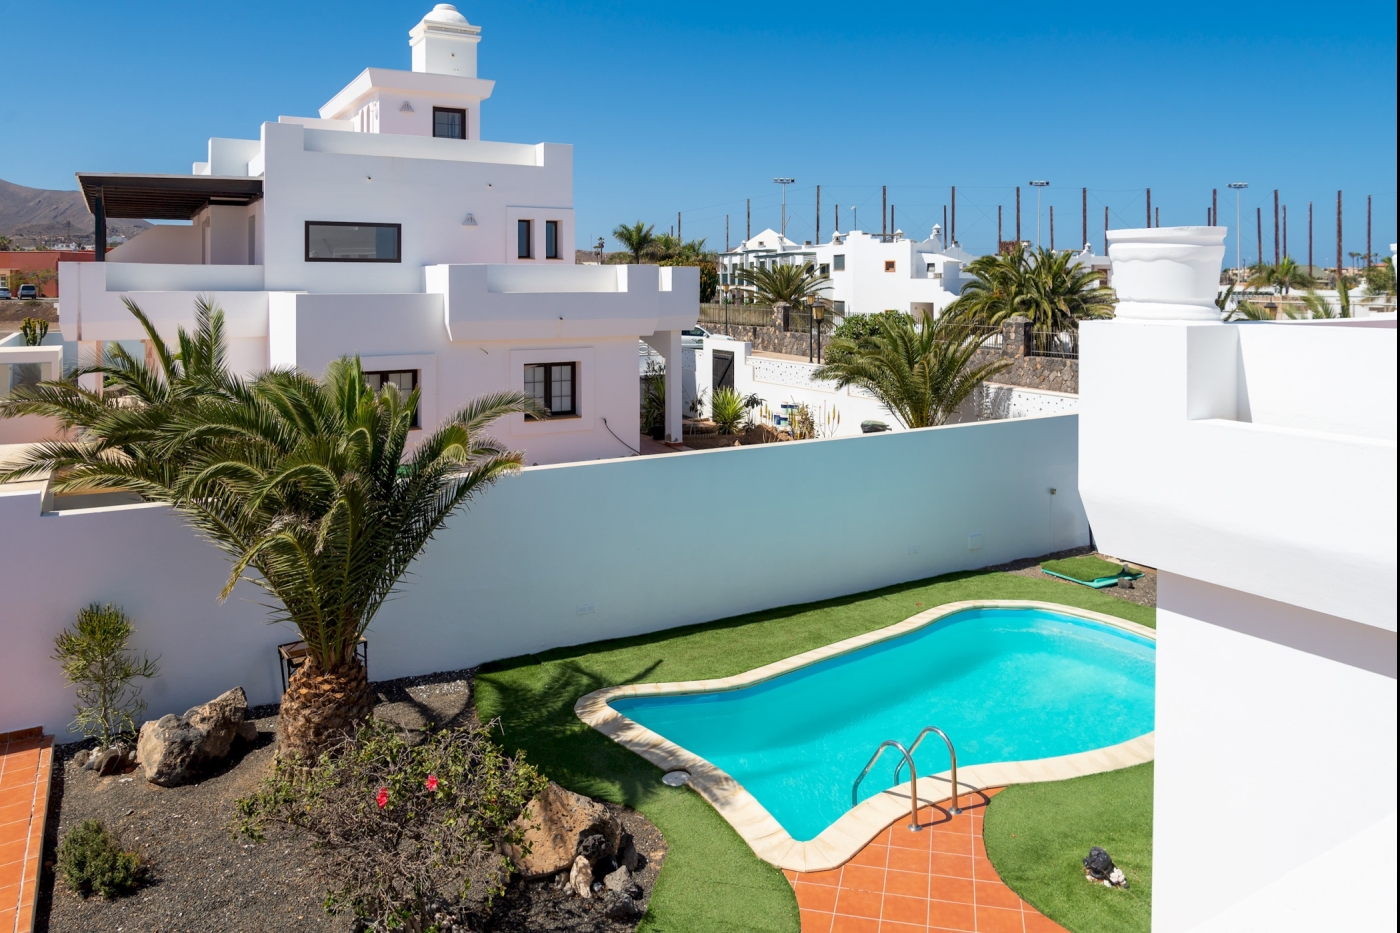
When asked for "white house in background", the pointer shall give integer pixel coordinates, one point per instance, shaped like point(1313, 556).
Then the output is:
point(1261, 481)
point(387, 227)
point(869, 272)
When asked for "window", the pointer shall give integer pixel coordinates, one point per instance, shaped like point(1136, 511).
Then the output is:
point(838, 308)
point(449, 123)
point(524, 239)
point(551, 239)
point(889, 265)
point(554, 386)
point(405, 380)
point(333, 241)
point(838, 262)
point(824, 269)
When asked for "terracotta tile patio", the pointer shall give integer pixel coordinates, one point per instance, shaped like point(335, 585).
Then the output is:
point(24, 802)
point(938, 879)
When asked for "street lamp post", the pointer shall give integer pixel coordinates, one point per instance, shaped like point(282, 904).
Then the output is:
point(1037, 185)
point(1238, 186)
point(818, 315)
point(784, 182)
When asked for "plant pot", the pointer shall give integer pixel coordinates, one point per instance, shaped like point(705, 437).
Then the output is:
point(1167, 273)
point(657, 434)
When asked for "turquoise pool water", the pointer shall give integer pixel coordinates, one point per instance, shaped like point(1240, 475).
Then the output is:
point(1005, 684)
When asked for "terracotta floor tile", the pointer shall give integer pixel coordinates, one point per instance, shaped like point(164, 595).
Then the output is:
point(948, 916)
point(907, 883)
point(7, 919)
point(17, 778)
point(862, 878)
point(821, 877)
point(894, 926)
point(954, 866)
point(904, 909)
point(13, 851)
point(996, 894)
point(871, 855)
point(1036, 922)
point(789, 874)
point(854, 903)
point(10, 874)
point(957, 890)
point(842, 924)
point(997, 920)
point(901, 836)
point(951, 844)
point(814, 921)
point(820, 897)
point(983, 870)
point(901, 859)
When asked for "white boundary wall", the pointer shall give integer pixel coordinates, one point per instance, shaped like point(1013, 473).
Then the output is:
point(560, 555)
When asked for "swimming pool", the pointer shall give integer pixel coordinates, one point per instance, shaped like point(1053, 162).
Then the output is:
point(1006, 684)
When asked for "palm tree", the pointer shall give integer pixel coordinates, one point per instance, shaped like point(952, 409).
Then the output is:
point(1282, 278)
point(306, 484)
point(1047, 287)
point(792, 284)
point(920, 373)
point(1318, 307)
point(637, 238)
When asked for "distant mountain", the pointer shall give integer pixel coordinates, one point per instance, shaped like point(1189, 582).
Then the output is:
point(28, 215)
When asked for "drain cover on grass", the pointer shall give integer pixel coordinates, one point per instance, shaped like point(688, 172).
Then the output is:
point(675, 778)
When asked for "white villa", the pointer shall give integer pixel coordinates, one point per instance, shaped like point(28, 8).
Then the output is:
point(388, 227)
point(872, 272)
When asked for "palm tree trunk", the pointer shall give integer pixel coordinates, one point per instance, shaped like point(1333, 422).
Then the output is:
point(322, 705)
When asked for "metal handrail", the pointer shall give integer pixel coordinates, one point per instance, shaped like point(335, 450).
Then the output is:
point(913, 781)
point(954, 810)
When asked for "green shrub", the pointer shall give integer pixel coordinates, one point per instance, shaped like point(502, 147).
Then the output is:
point(96, 660)
point(403, 831)
point(728, 410)
point(653, 411)
point(92, 861)
point(857, 328)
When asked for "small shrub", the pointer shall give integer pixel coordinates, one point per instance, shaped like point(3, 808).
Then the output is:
point(728, 410)
point(404, 831)
point(96, 660)
point(653, 411)
point(92, 861)
point(859, 328)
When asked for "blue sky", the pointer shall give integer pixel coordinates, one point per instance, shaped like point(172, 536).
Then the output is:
point(693, 108)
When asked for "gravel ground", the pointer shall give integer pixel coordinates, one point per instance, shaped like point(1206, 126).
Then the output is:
point(203, 880)
point(1142, 591)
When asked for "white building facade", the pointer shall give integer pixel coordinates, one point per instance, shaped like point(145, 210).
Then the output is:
point(387, 227)
point(1261, 481)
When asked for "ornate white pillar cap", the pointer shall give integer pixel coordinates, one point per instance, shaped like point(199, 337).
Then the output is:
point(1167, 273)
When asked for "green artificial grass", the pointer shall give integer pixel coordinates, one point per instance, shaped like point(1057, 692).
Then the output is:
point(1037, 836)
point(1084, 568)
point(711, 880)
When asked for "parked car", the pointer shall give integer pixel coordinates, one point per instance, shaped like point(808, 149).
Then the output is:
point(694, 337)
point(28, 291)
point(4, 293)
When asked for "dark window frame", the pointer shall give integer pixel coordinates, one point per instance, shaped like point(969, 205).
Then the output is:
point(838, 262)
point(459, 111)
point(398, 240)
point(549, 386)
point(551, 239)
point(529, 242)
point(416, 423)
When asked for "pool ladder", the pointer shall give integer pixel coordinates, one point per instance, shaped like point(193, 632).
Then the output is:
point(907, 756)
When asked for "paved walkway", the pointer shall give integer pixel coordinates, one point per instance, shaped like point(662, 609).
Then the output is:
point(24, 801)
point(931, 881)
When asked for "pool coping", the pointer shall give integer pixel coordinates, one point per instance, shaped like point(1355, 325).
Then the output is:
point(843, 839)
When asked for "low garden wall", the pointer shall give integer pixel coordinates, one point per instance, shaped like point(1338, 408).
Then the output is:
point(558, 555)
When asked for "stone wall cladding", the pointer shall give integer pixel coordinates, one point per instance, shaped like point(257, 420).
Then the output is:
point(1047, 373)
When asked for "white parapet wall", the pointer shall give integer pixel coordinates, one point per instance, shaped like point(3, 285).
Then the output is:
point(559, 555)
point(1259, 476)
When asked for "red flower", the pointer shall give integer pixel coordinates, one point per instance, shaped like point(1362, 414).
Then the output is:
point(382, 798)
point(432, 782)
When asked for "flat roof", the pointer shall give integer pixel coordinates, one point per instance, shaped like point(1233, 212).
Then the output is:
point(166, 197)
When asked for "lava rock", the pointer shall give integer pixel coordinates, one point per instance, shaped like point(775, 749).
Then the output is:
point(1098, 864)
point(618, 880)
point(174, 749)
point(628, 855)
point(81, 759)
point(620, 906)
point(115, 759)
point(581, 877)
point(595, 848)
point(555, 824)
